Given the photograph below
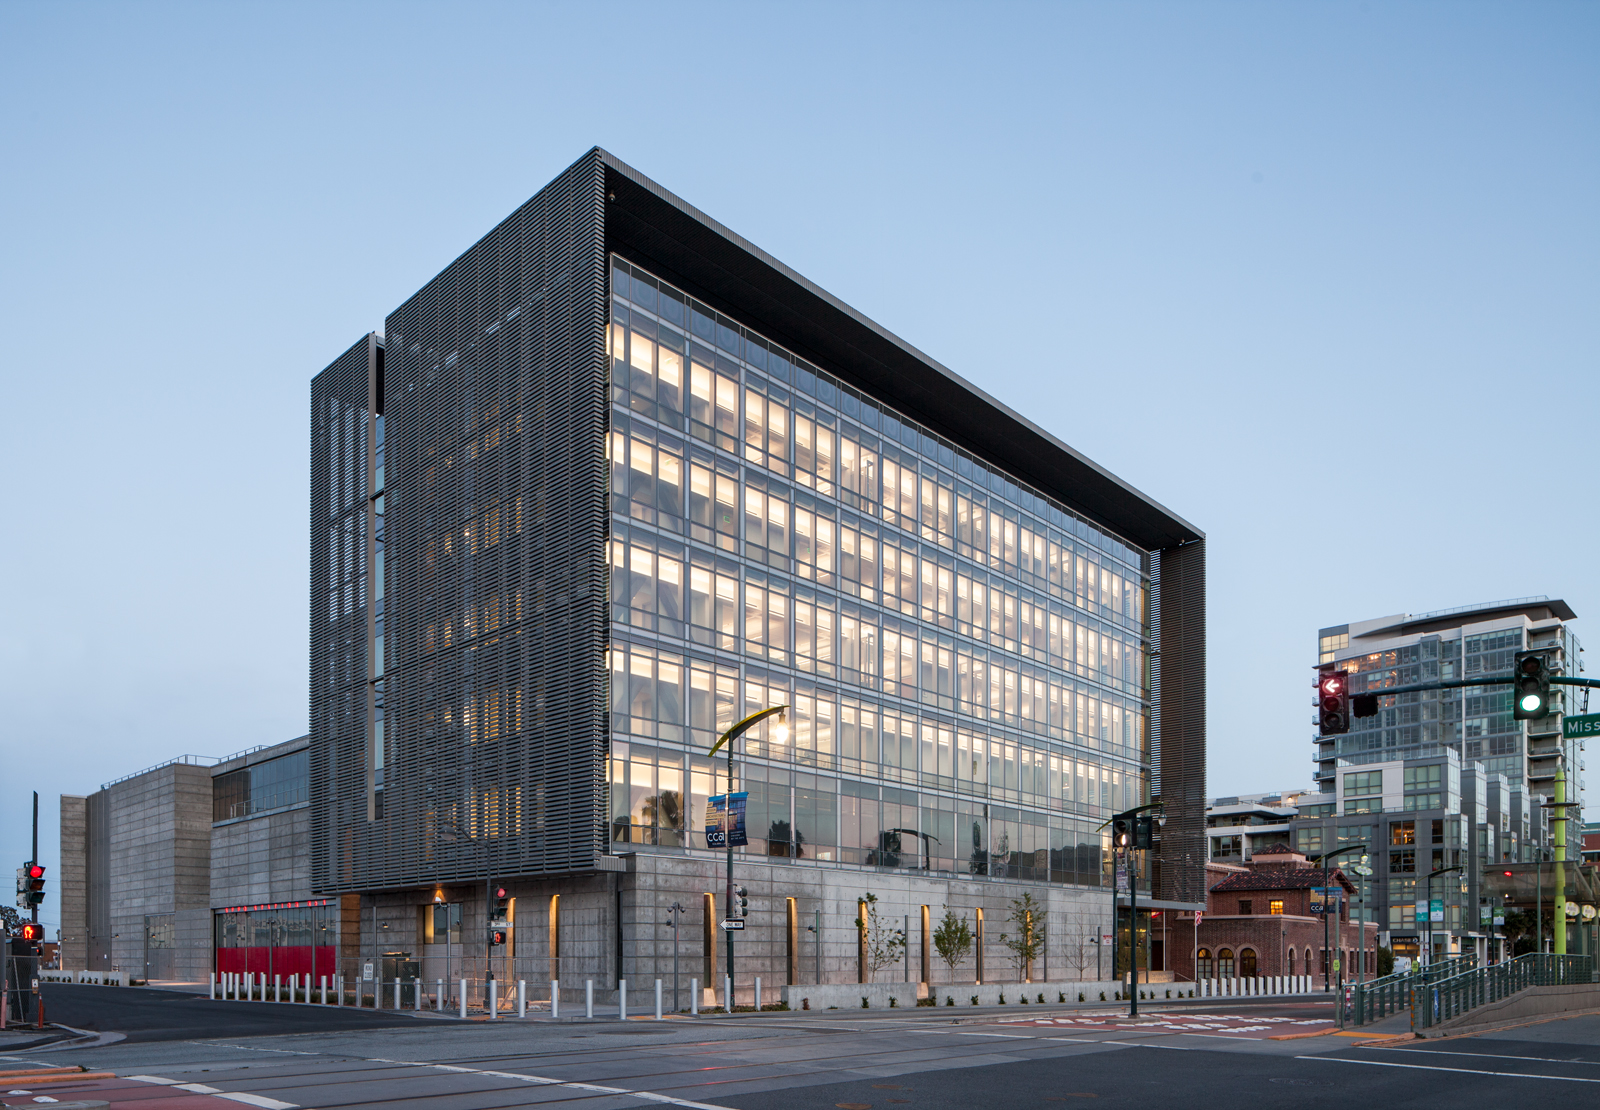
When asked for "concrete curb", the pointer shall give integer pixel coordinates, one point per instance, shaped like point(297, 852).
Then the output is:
point(1302, 1036)
point(1495, 1027)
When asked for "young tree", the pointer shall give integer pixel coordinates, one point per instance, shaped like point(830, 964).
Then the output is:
point(883, 942)
point(952, 940)
point(1027, 917)
point(1081, 955)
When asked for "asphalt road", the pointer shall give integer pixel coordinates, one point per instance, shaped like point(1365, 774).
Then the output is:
point(144, 1014)
point(1199, 1057)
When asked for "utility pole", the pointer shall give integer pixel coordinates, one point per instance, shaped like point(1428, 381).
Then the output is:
point(35, 857)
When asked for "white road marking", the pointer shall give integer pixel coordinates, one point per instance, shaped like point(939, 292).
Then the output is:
point(1466, 1071)
point(261, 1101)
point(257, 1100)
point(649, 1096)
point(1483, 1055)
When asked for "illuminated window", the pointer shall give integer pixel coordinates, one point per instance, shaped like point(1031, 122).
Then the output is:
point(1275, 906)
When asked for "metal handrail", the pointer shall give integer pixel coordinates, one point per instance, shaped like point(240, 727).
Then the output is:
point(1392, 993)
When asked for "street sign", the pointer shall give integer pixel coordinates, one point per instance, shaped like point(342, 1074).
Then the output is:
point(733, 924)
point(1436, 910)
point(1578, 728)
point(1361, 869)
point(1325, 899)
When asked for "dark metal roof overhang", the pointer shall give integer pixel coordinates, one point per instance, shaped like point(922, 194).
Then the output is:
point(662, 232)
point(1547, 609)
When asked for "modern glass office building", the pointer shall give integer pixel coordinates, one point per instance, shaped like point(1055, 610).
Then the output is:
point(616, 478)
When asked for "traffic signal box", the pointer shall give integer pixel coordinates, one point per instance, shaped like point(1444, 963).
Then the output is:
point(1530, 688)
point(1333, 702)
point(32, 932)
point(500, 916)
point(1122, 832)
point(30, 885)
point(1144, 830)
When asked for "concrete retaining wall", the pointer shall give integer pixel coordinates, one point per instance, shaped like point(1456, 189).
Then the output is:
point(1526, 1005)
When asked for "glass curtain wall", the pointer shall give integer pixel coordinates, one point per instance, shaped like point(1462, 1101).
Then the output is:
point(966, 660)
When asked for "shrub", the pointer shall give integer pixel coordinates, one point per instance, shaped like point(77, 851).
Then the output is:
point(1041, 997)
point(1061, 996)
point(1080, 996)
point(927, 1001)
point(1002, 998)
point(893, 1002)
point(864, 1003)
point(1024, 1000)
point(805, 1003)
point(974, 1000)
point(1169, 994)
point(949, 1000)
point(1102, 996)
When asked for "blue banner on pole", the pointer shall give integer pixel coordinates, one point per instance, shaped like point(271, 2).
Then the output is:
point(724, 829)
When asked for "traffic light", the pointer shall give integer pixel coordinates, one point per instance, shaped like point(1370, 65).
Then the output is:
point(500, 914)
point(1121, 832)
point(1144, 830)
point(1333, 702)
point(33, 932)
point(1530, 689)
point(30, 885)
point(741, 902)
point(496, 937)
point(1364, 705)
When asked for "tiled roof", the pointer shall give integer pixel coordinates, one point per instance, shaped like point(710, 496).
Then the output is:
point(1282, 878)
point(1275, 850)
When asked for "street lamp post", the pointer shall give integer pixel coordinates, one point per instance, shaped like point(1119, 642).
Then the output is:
point(739, 728)
point(1327, 952)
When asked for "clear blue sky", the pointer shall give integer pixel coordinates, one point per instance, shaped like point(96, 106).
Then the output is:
point(1321, 277)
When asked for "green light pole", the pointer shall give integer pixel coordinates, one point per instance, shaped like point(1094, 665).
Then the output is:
point(1132, 819)
point(739, 728)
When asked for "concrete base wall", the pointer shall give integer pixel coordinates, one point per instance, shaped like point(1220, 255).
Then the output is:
point(1525, 1005)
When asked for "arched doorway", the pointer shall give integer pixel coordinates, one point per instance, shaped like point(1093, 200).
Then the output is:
point(1224, 963)
point(1203, 965)
point(1247, 963)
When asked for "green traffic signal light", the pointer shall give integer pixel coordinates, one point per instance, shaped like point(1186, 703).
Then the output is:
point(1530, 697)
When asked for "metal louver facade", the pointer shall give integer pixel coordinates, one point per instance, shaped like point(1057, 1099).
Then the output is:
point(1178, 706)
point(492, 678)
point(341, 623)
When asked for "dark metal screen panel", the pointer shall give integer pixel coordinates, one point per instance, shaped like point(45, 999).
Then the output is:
point(340, 621)
point(495, 578)
point(1178, 629)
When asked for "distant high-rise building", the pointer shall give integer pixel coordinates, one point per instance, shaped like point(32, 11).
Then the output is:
point(1474, 722)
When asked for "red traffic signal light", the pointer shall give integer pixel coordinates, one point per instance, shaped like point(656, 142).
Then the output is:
point(500, 893)
point(1507, 874)
point(32, 931)
point(497, 936)
point(1333, 703)
point(35, 871)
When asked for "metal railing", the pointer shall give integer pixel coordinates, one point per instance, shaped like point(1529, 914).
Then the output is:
point(1439, 1001)
point(1380, 998)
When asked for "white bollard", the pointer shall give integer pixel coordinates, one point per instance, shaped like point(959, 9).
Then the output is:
point(324, 985)
point(397, 982)
point(463, 1000)
point(277, 988)
point(588, 998)
point(622, 1000)
point(758, 994)
point(727, 993)
point(416, 992)
point(658, 999)
point(211, 988)
point(438, 996)
point(555, 998)
point(263, 984)
point(338, 989)
point(494, 999)
point(522, 998)
point(694, 998)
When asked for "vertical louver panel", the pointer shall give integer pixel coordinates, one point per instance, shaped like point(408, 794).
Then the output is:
point(340, 619)
point(1178, 603)
point(495, 521)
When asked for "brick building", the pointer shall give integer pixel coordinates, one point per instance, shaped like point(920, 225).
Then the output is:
point(1259, 921)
